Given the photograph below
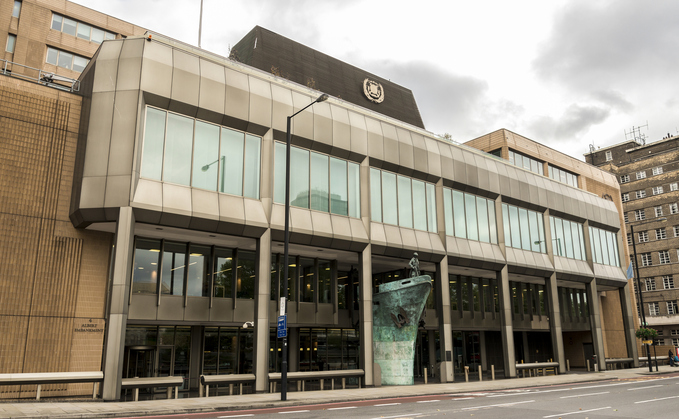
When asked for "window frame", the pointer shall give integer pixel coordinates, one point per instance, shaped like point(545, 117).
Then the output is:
point(641, 174)
point(657, 171)
point(13, 38)
point(609, 155)
point(624, 179)
point(664, 257)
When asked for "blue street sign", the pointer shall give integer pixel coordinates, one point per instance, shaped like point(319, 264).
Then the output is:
point(282, 326)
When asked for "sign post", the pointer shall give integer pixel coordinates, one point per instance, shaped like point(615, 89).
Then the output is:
point(282, 326)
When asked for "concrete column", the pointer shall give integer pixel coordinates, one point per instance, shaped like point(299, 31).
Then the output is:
point(595, 323)
point(293, 349)
point(482, 351)
point(262, 315)
point(506, 324)
point(119, 304)
point(196, 356)
point(432, 353)
point(445, 322)
point(555, 322)
point(526, 350)
point(366, 313)
point(628, 323)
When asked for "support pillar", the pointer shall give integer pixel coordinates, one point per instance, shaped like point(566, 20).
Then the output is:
point(595, 323)
point(432, 353)
point(526, 350)
point(628, 324)
point(366, 314)
point(445, 323)
point(119, 305)
point(482, 350)
point(506, 324)
point(555, 322)
point(262, 304)
point(293, 345)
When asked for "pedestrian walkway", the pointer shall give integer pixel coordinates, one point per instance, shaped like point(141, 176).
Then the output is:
point(98, 409)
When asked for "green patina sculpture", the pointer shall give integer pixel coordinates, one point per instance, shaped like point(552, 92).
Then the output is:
point(397, 308)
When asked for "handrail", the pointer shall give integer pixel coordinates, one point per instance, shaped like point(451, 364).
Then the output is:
point(40, 378)
point(43, 77)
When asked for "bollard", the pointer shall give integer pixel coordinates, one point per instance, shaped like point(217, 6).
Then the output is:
point(480, 374)
point(466, 374)
point(492, 372)
point(588, 365)
point(568, 365)
point(596, 367)
point(425, 376)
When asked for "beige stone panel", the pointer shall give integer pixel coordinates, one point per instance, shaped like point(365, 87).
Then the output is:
point(107, 67)
point(391, 144)
point(322, 226)
point(177, 199)
point(358, 231)
point(260, 101)
point(359, 133)
point(281, 99)
point(375, 139)
point(302, 125)
point(205, 204)
point(56, 334)
point(409, 241)
point(423, 241)
point(323, 125)
point(156, 71)
point(117, 191)
point(406, 154)
point(341, 229)
point(93, 190)
point(99, 134)
point(13, 330)
point(237, 101)
point(254, 213)
point(185, 78)
point(393, 235)
point(377, 235)
point(121, 152)
point(341, 131)
point(129, 66)
point(301, 227)
point(212, 87)
point(420, 156)
point(19, 241)
point(148, 195)
point(447, 164)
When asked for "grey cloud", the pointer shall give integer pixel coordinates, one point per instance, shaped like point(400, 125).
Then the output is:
point(575, 122)
point(614, 99)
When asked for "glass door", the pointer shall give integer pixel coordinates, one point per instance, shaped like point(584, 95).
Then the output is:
point(140, 361)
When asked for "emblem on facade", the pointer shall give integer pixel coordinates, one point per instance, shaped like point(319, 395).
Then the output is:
point(373, 91)
point(401, 319)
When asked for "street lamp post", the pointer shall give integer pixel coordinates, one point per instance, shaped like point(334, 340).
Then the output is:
point(284, 308)
point(641, 298)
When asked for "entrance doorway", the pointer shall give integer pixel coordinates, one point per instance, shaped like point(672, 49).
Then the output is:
point(140, 361)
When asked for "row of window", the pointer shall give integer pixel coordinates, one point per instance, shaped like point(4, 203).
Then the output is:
point(469, 293)
point(80, 29)
point(524, 228)
point(568, 238)
point(573, 303)
point(11, 43)
point(640, 214)
point(656, 190)
point(671, 307)
point(563, 176)
point(642, 174)
point(66, 60)
point(663, 258)
point(469, 216)
point(604, 247)
point(660, 234)
point(667, 282)
point(528, 163)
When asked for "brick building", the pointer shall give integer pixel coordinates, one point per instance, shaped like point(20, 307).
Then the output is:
point(648, 176)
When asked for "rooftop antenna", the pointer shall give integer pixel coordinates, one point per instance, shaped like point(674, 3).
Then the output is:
point(635, 134)
point(200, 23)
point(591, 148)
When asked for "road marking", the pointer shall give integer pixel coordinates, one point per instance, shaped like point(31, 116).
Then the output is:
point(387, 404)
point(656, 400)
point(428, 401)
point(342, 408)
point(644, 388)
point(577, 412)
point(584, 395)
point(398, 416)
point(293, 411)
point(463, 398)
point(234, 416)
point(498, 405)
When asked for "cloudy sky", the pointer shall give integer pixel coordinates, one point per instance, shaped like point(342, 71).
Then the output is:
point(565, 73)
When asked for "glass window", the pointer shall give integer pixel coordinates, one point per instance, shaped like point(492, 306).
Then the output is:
point(319, 182)
point(482, 212)
point(405, 201)
point(84, 31)
point(198, 284)
point(448, 211)
point(16, 11)
point(279, 173)
point(389, 207)
point(65, 60)
point(452, 286)
point(52, 56)
point(174, 255)
point(205, 156)
point(145, 273)
point(492, 222)
point(515, 227)
point(177, 159)
point(11, 43)
point(375, 195)
point(354, 190)
point(419, 205)
point(299, 178)
point(307, 267)
point(223, 273)
point(324, 282)
point(338, 187)
point(458, 214)
point(245, 275)
point(69, 26)
point(231, 162)
point(152, 150)
point(109, 35)
point(523, 223)
point(252, 166)
point(97, 35)
point(470, 212)
point(79, 63)
point(431, 208)
point(533, 223)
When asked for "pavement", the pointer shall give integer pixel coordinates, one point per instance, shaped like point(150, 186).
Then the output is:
point(97, 409)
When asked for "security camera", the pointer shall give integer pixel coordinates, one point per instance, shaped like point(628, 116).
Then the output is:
point(248, 324)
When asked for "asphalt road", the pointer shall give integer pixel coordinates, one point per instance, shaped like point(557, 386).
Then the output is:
point(634, 398)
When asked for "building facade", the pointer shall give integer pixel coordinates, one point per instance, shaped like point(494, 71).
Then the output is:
point(152, 245)
point(648, 176)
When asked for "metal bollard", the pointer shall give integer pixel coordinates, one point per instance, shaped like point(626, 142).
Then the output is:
point(480, 374)
point(568, 365)
point(492, 372)
point(466, 374)
point(588, 365)
point(425, 376)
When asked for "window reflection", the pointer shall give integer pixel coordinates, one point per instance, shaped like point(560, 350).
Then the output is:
point(524, 227)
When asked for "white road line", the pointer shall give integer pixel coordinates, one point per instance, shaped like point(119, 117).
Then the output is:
point(510, 394)
point(387, 404)
point(463, 398)
point(644, 388)
point(342, 408)
point(656, 400)
point(584, 395)
point(234, 416)
point(293, 411)
point(428, 401)
point(398, 416)
point(497, 405)
point(577, 412)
